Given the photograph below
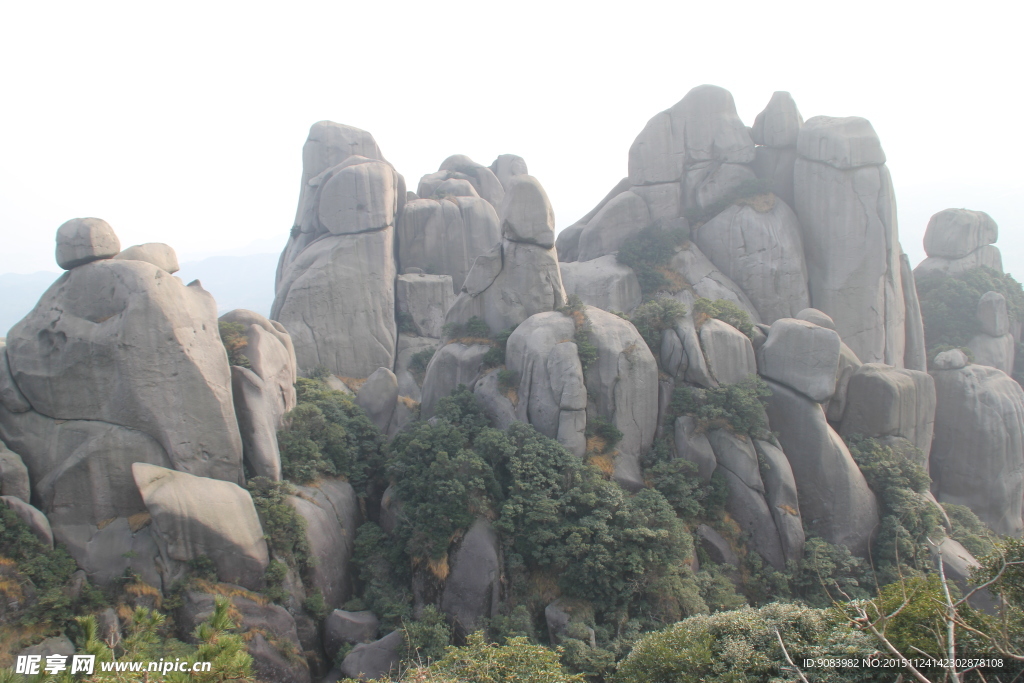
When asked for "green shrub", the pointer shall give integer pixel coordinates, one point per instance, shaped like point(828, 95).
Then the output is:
point(739, 407)
point(741, 646)
point(970, 531)
point(585, 348)
point(506, 380)
point(418, 363)
point(654, 317)
point(517, 661)
point(726, 311)
point(284, 528)
point(383, 576)
point(328, 434)
point(405, 323)
point(605, 430)
point(235, 339)
point(649, 254)
point(426, 638)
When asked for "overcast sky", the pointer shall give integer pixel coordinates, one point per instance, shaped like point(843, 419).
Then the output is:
point(184, 122)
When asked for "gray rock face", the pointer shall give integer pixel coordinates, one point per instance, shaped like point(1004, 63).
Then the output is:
point(331, 512)
point(775, 165)
point(955, 233)
point(445, 236)
point(199, 517)
point(357, 195)
point(746, 502)
point(762, 252)
point(546, 366)
point(526, 213)
point(958, 565)
point(915, 355)
point(992, 315)
point(954, 359)
point(452, 365)
point(803, 356)
point(717, 548)
point(834, 496)
point(779, 123)
point(842, 143)
point(160, 255)
point(997, 352)
point(264, 393)
point(352, 335)
point(378, 397)
point(623, 384)
point(622, 217)
point(83, 240)
point(813, 315)
point(341, 627)
point(456, 187)
point(729, 354)
point(11, 397)
point(845, 202)
point(516, 279)
point(471, 592)
point(694, 446)
point(567, 243)
point(425, 299)
point(14, 479)
point(507, 166)
point(368, 661)
point(977, 456)
point(106, 342)
point(707, 281)
point(886, 401)
point(481, 177)
point(988, 256)
point(848, 364)
point(408, 346)
point(602, 282)
point(782, 498)
point(35, 519)
point(498, 407)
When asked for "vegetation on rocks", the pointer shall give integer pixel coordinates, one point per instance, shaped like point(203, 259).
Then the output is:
point(654, 317)
point(235, 339)
point(738, 407)
point(724, 310)
point(649, 254)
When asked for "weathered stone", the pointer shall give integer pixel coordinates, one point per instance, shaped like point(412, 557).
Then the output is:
point(803, 356)
point(526, 214)
point(695, 369)
point(350, 335)
point(761, 251)
point(707, 281)
point(992, 315)
point(779, 123)
point(602, 282)
point(997, 352)
point(988, 256)
point(55, 645)
point(953, 359)
point(693, 445)
point(425, 299)
point(471, 592)
point(775, 165)
point(567, 243)
point(160, 255)
point(623, 385)
point(452, 365)
point(408, 381)
point(620, 219)
point(378, 397)
point(368, 661)
point(483, 179)
point(813, 315)
point(958, 564)
point(545, 364)
point(977, 456)
point(83, 240)
point(445, 237)
point(105, 343)
point(748, 508)
point(717, 548)
point(525, 281)
point(842, 143)
point(507, 166)
point(915, 355)
point(782, 498)
point(14, 480)
point(848, 364)
point(886, 401)
point(708, 184)
point(728, 352)
point(562, 613)
point(326, 540)
point(11, 397)
point(493, 399)
point(850, 238)
point(835, 500)
point(955, 233)
point(199, 517)
point(358, 195)
point(456, 187)
point(341, 627)
point(256, 423)
point(664, 203)
point(35, 519)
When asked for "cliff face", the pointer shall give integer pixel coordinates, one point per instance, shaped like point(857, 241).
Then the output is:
point(728, 260)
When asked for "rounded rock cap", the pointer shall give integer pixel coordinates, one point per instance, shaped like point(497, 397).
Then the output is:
point(83, 240)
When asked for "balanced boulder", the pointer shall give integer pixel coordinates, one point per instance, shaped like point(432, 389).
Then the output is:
point(83, 240)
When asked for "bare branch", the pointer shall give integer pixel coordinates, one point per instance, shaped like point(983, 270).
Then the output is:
point(790, 659)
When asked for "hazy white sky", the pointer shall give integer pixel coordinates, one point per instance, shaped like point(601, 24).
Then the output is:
point(183, 122)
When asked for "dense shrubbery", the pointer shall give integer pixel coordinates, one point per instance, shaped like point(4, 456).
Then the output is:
point(949, 304)
point(235, 339)
point(738, 407)
point(516, 661)
point(649, 254)
point(724, 310)
point(328, 434)
point(654, 317)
